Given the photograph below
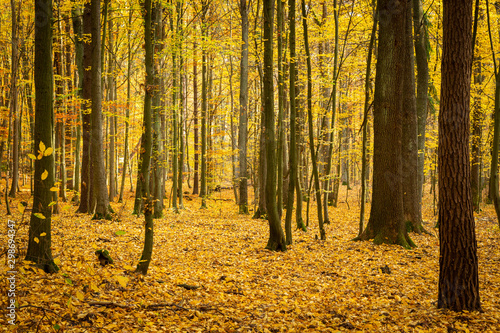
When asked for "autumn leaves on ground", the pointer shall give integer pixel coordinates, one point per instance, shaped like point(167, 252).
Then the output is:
point(211, 273)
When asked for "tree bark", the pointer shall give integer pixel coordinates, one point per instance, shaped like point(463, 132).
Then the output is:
point(411, 199)
point(458, 263)
point(276, 240)
point(386, 224)
point(243, 116)
point(40, 239)
point(147, 145)
point(86, 178)
point(97, 155)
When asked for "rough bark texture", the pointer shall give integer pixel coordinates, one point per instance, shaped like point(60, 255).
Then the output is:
point(39, 250)
point(276, 240)
point(16, 133)
point(458, 267)
point(386, 224)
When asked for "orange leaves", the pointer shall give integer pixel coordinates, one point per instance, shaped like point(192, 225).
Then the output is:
point(331, 286)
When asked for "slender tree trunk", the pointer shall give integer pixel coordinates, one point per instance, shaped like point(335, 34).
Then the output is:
point(310, 122)
point(493, 185)
point(243, 115)
point(458, 263)
point(196, 189)
point(86, 178)
point(364, 145)
point(97, 157)
point(13, 97)
point(293, 143)
point(421, 40)
point(112, 116)
point(127, 108)
point(281, 106)
point(76, 15)
point(40, 239)
point(204, 77)
point(411, 199)
point(147, 146)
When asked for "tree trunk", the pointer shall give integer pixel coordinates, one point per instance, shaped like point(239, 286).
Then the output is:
point(39, 240)
point(421, 40)
point(364, 145)
point(97, 155)
point(310, 122)
point(196, 189)
point(127, 108)
point(204, 77)
point(386, 223)
point(112, 112)
point(243, 116)
point(411, 199)
point(86, 178)
point(76, 14)
point(458, 263)
point(146, 149)
point(14, 99)
point(276, 240)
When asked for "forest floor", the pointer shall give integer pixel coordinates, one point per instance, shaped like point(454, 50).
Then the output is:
point(211, 273)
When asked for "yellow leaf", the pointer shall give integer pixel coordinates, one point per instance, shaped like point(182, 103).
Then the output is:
point(45, 174)
point(43, 234)
point(41, 146)
point(79, 295)
point(33, 157)
point(94, 288)
point(54, 189)
point(40, 216)
point(122, 280)
point(20, 208)
point(36, 240)
point(48, 151)
point(57, 261)
point(129, 268)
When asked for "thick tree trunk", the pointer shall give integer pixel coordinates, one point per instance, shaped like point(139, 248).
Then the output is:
point(386, 224)
point(458, 263)
point(39, 240)
point(276, 240)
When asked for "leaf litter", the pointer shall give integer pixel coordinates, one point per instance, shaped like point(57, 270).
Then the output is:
point(211, 273)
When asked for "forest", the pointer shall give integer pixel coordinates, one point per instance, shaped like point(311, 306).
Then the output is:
point(249, 165)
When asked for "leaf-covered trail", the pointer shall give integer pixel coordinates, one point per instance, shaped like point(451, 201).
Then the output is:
point(211, 273)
